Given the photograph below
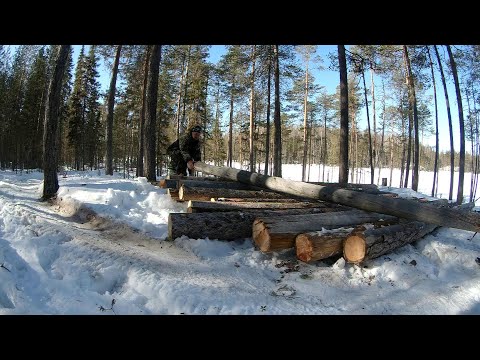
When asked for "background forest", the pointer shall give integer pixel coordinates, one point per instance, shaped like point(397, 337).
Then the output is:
point(260, 106)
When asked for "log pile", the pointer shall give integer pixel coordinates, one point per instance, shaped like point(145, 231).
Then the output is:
point(318, 223)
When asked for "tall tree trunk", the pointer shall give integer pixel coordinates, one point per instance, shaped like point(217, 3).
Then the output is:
point(447, 102)
point(374, 116)
point(305, 124)
point(267, 135)
point(141, 135)
point(461, 161)
point(435, 166)
point(277, 145)
point(412, 101)
point(151, 111)
point(184, 121)
point(343, 161)
point(252, 125)
point(230, 129)
point(110, 105)
point(177, 117)
point(370, 152)
point(50, 153)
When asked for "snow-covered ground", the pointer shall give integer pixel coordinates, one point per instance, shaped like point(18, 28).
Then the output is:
point(56, 259)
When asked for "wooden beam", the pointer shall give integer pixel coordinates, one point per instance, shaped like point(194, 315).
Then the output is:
point(442, 216)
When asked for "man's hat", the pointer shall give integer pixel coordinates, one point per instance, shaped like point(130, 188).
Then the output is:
point(197, 128)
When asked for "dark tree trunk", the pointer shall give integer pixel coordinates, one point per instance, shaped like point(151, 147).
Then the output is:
point(141, 135)
point(110, 104)
point(435, 166)
point(447, 102)
point(412, 101)
point(267, 135)
point(370, 153)
point(461, 160)
point(277, 145)
point(343, 171)
point(50, 154)
point(151, 112)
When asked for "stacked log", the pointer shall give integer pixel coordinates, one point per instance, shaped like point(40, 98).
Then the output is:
point(279, 216)
point(373, 242)
point(320, 245)
point(209, 206)
point(225, 225)
point(278, 233)
point(399, 207)
point(204, 193)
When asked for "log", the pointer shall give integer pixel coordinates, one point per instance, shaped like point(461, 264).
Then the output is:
point(319, 245)
point(203, 178)
point(203, 193)
point(204, 206)
point(278, 233)
point(231, 225)
point(227, 184)
point(173, 194)
point(368, 188)
point(235, 185)
point(372, 243)
point(258, 200)
point(393, 206)
point(168, 183)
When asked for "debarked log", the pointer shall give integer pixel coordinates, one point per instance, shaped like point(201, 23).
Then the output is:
point(372, 243)
point(278, 233)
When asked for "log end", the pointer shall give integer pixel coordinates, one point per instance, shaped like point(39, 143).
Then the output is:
point(260, 235)
point(163, 183)
point(303, 247)
point(354, 249)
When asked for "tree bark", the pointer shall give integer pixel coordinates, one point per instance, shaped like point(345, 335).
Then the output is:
point(195, 206)
point(151, 112)
point(343, 171)
point(399, 207)
point(233, 185)
point(435, 166)
point(319, 245)
point(204, 193)
point(252, 115)
point(413, 107)
point(231, 225)
point(50, 153)
point(141, 125)
point(461, 127)
point(277, 144)
point(372, 243)
point(110, 105)
point(278, 233)
point(450, 128)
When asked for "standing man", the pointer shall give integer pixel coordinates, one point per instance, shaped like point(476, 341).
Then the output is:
point(185, 151)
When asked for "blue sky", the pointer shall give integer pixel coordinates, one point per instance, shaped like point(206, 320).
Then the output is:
point(330, 80)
